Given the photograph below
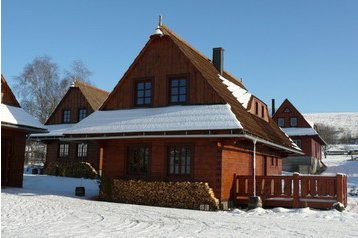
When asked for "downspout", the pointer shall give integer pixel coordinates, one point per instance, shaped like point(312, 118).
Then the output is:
point(254, 167)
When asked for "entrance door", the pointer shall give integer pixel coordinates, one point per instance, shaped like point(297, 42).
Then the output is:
point(5, 160)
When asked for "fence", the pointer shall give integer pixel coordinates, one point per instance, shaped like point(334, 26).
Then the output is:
point(293, 191)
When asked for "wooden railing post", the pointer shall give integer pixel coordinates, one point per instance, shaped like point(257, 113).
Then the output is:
point(340, 189)
point(296, 188)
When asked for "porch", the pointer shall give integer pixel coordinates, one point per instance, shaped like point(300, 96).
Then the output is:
point(292, 191)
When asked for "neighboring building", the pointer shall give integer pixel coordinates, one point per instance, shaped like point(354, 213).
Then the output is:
point(16, 124)
point(177, 116)
point(80, 101)
point(304, 135)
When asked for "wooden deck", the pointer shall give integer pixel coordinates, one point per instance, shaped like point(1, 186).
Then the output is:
point(293, 191)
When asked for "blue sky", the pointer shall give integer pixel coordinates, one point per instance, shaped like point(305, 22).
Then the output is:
point(306, 51)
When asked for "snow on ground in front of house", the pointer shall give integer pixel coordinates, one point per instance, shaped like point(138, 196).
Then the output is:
point(47, 207)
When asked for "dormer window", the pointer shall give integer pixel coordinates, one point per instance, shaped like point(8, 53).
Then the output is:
point(178, 91)
point(66, 116)
point(143, 93)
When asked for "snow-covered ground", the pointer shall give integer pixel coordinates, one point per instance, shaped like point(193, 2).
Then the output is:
point(47, 207)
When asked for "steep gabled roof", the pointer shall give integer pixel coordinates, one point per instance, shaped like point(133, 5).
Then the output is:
point(287, 104)
point(94, 96)
point(7, 96)
point(226, 86)
point(306, 128)
point(251, 123)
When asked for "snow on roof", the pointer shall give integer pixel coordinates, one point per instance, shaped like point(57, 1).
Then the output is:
point(55, 130)
point(18, 117)
point(172, 118)
point(292, 142)
point(242, 95)
point(298, 131)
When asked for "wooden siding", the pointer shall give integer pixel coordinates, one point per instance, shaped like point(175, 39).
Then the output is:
point(262, 111)
point(160, 62)
point(212, 162)
point(73, 101)
point(280, 113)
point(7, 96)
point(12, 156)
point(239, 161)
point(52, 154)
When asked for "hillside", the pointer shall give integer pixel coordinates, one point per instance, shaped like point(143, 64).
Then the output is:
point(344, 123)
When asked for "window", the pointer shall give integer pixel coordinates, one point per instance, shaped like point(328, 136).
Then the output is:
point(298, 143)
point(178, 91)
point(82, 113)
point(262, 111)
point(281, 122)
point(63, 150)
point(287, 110)
point(143, 93)
point(66, 117)
point(293, 121)
point(179, 160)
point(81, 150)
point(138, 160)
point(272, 161)
point(256, 108)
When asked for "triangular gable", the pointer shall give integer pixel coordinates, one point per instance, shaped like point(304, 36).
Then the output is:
point(7, 96)
point(282, 111)
point(93, 96)
point(251, 123)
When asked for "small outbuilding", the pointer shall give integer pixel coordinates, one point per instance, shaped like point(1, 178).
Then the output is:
point(16, 124)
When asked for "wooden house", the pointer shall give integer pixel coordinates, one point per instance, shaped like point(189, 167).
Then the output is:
point(178, 116)
point(304, 135)
point(80, 100)
point(16, 124)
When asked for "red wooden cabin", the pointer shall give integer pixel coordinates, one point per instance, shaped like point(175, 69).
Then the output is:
point(80, 101)
point(16, 124)
point(304, 135)
point(178, 116)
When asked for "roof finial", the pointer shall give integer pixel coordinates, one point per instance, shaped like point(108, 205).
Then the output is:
point(160, 21)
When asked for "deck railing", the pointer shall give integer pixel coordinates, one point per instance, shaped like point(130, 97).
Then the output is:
point(293, 191)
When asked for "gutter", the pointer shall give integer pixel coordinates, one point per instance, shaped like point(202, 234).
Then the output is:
point(24, 128)
point(246, 136)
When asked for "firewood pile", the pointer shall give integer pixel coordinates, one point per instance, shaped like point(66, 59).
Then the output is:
point(189, 195)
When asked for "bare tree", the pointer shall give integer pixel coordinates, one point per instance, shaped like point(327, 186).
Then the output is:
point(40, 88)
point(78, 71)
point(328, 133)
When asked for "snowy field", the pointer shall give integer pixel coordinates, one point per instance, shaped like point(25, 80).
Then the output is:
point(47, 207)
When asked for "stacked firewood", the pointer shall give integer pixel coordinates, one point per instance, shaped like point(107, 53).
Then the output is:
point(190, 195)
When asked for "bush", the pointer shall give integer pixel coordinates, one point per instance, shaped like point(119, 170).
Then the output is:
point(75, 169)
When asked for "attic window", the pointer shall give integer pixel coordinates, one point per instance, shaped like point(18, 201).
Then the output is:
point(281, 122)
point(293, 121)
point(178, 91)
point(143, 93)
point(262, 111)
point(82, 113)
point(66, 116)
point(287, 110)
point(256, 108)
